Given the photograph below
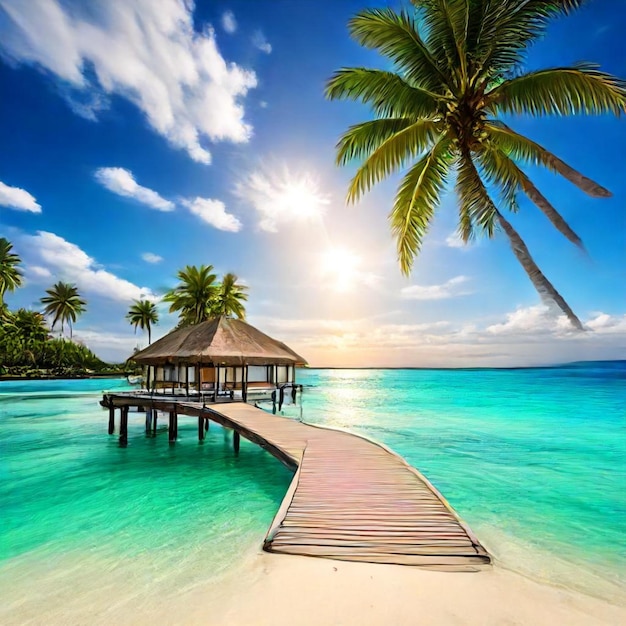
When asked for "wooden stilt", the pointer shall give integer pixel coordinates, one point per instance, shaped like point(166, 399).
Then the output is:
point(172, 426)
point(155, 415)
point(111, 419)
point(206, 423)
point(124, 426)
point(200, 429)
point(236, 442)
point(175, 424)
point(149, 422)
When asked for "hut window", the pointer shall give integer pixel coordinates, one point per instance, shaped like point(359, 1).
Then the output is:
point(169, 373)
point(257, 373)
point(282, 373)
point(191, 374)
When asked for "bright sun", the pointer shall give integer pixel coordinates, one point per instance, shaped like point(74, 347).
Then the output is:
point(340, 268)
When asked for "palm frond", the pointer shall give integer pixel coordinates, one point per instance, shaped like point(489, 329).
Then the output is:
point(476, 206)
point(500, 31)
point(360, 140)
point(416, 200)
point(502, 171)
point(391, 154)
point(521, 148)
point(542, 284)
point(447, 23)
point(560, 91)
point(396, 36)
point(387, 93)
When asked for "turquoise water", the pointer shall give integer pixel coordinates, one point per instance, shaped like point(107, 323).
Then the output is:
point(534, 460)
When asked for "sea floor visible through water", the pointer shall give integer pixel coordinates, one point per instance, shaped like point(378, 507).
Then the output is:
point(533, 459)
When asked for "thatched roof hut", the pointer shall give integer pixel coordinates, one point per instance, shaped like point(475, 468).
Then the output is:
point(220, 355)
point(220, 340)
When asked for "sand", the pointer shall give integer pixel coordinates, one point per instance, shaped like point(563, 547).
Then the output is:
point(276, 590)
point(280, 590)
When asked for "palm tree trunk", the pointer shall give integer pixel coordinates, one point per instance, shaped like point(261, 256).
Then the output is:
point(542, 284)
point(149, 335)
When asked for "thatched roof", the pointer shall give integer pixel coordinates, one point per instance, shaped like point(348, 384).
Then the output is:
point(221, 340)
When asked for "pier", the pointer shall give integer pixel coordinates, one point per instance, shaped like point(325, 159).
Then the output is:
point(350, 499)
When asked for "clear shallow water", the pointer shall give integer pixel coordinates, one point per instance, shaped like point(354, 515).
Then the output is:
point(534, 460)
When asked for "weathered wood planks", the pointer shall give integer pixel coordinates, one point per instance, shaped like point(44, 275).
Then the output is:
point(350, 498)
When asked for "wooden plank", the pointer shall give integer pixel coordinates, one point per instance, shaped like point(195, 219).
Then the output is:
point(350, 499)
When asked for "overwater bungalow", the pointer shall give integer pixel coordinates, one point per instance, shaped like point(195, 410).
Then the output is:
point(220, 359)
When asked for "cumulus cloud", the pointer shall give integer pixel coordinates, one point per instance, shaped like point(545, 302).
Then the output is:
point(374, 342)
point(146, 52)
point(259, 41)
point(150, 257)
point(19, 199)
point(532, 319)
point(46, 254)
point(229, 23)
point(213, 212)
point(121, 181)
point(281, 197)
point(450, 289)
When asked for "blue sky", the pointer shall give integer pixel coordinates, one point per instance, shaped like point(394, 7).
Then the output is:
point(139, 137)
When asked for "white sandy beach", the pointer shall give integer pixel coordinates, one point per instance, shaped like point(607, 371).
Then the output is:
point(281, 590)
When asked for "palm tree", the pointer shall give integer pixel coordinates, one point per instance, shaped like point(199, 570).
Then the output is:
point(10, 274)
point(193, 295)
point(457, 66)
point(64, 304)
point(143, 314)
point(230, 298)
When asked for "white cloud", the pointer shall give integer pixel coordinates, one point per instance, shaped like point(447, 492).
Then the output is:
point(146, 52)
point(532, 340)
point(280, 197)
point(150, 257)
point(532, 319)
point(449, 289)
point(19, 199)
point(213, 212)
point(229, 23)
point(259, 41)
point(47, 252)
point(121, 181)
point(454, 241)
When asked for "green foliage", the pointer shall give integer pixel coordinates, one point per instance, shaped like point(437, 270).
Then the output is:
point(229, 298)
point(10, 274)
point(26, 348)
point(63, 303)
point(456, 64)
point(198, 297)
point(192, 296)
point(143, 313)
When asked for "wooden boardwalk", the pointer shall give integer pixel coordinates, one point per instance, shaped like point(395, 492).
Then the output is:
point(350, 499)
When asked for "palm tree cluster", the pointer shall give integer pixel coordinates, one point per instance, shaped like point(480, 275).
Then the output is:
point(457, 68)
point(198, 297)
point(26, 345)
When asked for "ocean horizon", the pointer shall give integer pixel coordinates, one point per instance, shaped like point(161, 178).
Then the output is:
point(533, 459)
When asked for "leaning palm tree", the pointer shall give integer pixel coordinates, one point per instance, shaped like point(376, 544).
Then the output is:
point(192, 296)
point(230, 298)
point(143, 314)
point(63, 304)
point(457, 67)
point(10, 274)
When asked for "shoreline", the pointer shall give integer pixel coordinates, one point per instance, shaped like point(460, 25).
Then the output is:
point(274, 590)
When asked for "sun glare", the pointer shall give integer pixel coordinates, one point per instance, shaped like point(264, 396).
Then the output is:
point(340, 269)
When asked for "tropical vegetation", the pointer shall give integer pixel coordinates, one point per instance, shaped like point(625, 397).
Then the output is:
point(457, 68)
point(144, 314)
point(198, 297)
point(230, 297)
point(10, 274)
point(64, 304)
